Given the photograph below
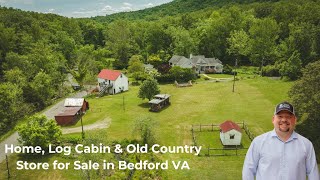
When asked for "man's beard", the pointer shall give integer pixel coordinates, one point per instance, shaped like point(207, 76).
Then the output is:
point(287, 129)
point(284, 130)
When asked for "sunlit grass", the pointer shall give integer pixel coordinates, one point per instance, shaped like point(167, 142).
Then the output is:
point(204, 103)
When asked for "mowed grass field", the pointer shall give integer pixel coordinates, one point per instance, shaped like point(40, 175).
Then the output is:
point(204, 103)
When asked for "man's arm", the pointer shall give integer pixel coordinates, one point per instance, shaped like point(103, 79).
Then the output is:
point(251, 162)
point(311, 164)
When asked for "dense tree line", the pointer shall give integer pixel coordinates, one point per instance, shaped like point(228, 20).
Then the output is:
point(37, 51)
point(305, 94)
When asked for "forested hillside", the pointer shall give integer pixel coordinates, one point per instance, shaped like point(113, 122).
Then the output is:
point(39, 50)
point(174, 8)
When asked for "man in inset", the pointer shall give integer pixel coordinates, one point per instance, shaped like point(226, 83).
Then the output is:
point(281, 153)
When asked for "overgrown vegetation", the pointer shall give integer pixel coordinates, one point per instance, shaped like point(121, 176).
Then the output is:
point(276, 38)
point(41, 49)
point(39, 131)
point(305, 95)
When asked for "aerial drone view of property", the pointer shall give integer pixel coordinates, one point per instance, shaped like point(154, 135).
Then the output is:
point(180, 89)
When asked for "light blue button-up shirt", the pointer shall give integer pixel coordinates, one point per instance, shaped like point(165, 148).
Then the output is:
point(270, 158)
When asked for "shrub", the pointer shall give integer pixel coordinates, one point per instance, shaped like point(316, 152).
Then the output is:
point(39, 131)
point(209, 71)
point(270, 70)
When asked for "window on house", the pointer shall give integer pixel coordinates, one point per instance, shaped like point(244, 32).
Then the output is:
point(232, 136)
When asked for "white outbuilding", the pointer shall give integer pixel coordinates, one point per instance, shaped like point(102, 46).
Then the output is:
point(112, 82)
point(230, 133)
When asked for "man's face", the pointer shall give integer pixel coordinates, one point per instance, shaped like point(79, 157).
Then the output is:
point(284, 121)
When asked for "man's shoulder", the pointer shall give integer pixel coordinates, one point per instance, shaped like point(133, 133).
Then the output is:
point(263, 136)
point(302, 138)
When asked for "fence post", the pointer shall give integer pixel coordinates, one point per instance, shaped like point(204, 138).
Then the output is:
point(236, 150)
point(7, 162)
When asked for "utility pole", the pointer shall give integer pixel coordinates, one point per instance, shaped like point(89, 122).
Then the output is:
point(123, 105)
point(82, 129)
point(234, 74)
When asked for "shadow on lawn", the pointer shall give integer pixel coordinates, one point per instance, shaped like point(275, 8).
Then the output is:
point(144, 105)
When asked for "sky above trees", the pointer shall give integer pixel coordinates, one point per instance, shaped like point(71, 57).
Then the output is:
point(81, 8)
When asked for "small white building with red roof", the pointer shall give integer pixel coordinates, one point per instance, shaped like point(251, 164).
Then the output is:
point(230, 133)
point(112, 81)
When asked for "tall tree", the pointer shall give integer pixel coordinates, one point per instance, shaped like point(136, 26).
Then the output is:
point(92, 33)
point(12, 106)
point(39, 131)
point(157, 38)
point(84, 64)
point(135, 64)
point(238, 43)
point(118, 37)
point(263, 36)
point(303, 38)
point(183, 43)
point(148, 89)
point(305, 95)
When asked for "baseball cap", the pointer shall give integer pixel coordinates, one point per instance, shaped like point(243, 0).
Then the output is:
point(284, 106)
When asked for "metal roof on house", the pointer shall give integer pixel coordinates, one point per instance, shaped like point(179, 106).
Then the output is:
point(109, 74)
point(69, 111)
point(73, 102)
point(175, 59)
point(156, 101)
point(185, 63)
point(162, 96)
point(213, 61)
point(194, 60)
point(229, 125)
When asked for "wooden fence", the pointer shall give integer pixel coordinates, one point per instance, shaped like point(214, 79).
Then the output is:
point(246, 129)
point(230, 151)
point(205, 127)
point(226, 151)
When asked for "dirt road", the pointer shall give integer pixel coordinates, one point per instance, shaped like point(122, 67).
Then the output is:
point(55, 109)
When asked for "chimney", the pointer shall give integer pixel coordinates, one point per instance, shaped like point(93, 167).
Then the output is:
point(191, 56)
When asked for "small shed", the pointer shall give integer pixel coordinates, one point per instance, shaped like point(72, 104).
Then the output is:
point(159, 101)
point(68, 116)
point(230, 133)
point(73, 109)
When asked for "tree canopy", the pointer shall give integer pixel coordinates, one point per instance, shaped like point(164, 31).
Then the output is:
point(39, 131)
point(148, 89)
point(38, 51)
point(305, 95)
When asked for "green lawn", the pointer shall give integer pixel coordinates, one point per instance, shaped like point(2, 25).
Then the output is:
point(204, 103)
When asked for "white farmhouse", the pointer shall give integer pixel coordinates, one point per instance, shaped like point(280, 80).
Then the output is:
point(230, 133)
point(112, 82)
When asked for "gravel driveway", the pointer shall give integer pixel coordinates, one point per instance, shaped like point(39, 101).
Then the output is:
point(55, 109)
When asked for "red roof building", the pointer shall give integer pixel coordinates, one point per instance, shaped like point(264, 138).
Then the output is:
point(230, 133)
point(73, 109)
point(112, 82)
point(229, 125)
point(109, 74)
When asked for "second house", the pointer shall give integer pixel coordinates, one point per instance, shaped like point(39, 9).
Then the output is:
point(112, 82)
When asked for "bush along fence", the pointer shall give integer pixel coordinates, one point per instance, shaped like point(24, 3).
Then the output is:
point(226, 150)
